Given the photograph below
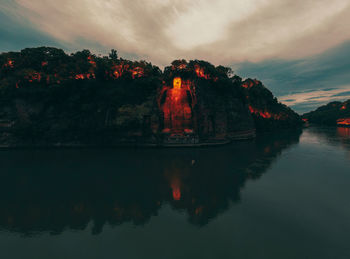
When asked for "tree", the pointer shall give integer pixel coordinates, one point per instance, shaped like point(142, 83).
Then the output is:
point(113, 55)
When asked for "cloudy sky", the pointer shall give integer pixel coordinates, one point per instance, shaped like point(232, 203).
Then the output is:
point(300, 49)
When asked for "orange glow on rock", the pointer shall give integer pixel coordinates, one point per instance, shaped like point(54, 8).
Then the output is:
point(343, 107)
point(177, 83)
point(85, 76)
point(116, 74)
point(264, 114)
point(182, 66)
point(343, 122)
point(200, 72)
point(80, 76)
point(34, 77)
point(118, 70)
point(37, 77)
point(91, 61)
point(137, 72)
point(248, 84)
point(176, 108)
point(10, 63)
point(176, 190)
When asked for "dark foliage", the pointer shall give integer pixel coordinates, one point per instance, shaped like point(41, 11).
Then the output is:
point(51, 96)
point(329, 114)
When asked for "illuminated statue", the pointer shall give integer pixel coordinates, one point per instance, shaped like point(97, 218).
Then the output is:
point(177, 108)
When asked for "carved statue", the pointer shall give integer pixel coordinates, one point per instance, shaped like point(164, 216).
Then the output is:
point(177, 108)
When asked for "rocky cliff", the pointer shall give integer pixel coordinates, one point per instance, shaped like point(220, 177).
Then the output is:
point(267, 112)
point(50, 98)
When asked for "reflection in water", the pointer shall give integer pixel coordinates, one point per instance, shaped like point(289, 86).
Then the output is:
point(344, 132)
point(66, 189)
point(175, 186)
point(332, 135)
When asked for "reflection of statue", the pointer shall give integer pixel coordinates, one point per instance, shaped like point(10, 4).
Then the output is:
point(177, 108)
point(146, 180)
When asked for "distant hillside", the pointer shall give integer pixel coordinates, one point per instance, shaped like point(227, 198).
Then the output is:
point(49, 97)
point(329, 114)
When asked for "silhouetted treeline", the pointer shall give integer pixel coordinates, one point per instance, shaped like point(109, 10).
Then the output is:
point(329, 114)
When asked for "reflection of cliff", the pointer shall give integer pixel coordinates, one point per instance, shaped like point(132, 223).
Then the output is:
point(333, 135)
point(57, 190)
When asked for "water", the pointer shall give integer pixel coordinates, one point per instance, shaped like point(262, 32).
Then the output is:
point(280, 196)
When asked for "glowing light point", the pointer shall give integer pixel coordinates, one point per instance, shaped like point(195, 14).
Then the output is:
point(177, 83)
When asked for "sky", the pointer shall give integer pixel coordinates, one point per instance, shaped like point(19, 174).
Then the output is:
point(299, 49)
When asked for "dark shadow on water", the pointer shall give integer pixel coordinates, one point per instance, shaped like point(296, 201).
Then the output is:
point(54, 190)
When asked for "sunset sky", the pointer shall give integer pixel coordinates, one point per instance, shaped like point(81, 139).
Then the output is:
point(300, 49)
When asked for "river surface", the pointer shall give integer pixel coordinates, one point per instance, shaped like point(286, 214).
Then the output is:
point(285, 195)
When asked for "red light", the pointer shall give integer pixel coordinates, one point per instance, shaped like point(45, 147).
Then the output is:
point(343, 122)
point(264, 114)
point(176, 108)
point(200, 72)
point(176, 191)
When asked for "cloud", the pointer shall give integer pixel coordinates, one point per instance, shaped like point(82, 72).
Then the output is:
point(16, 33)
point(322, 75)
point(346, 93)
point(300, 49)
point(220, 31)
point(306, 101)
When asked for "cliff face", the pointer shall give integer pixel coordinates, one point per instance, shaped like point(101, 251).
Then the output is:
point(267, 112)
point(220, 113)
point(212, 101)
point(334, 113)
point(50, 98)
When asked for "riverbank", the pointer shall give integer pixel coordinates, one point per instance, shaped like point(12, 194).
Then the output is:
point(174, 141)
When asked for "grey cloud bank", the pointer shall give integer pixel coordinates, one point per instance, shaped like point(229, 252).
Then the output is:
point(294, 46)
point(220, 32)
point(327, 72)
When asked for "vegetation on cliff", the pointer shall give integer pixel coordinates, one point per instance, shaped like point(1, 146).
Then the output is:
point(267, 112)
point(330, 114)
point(48, 96)
point(52, 96)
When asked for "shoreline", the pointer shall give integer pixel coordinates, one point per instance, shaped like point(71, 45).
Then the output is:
point(243, 135)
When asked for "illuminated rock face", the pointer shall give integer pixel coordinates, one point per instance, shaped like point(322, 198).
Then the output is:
point(176, 105)
point(192, 111)
point(344, 122)
point(267, 112)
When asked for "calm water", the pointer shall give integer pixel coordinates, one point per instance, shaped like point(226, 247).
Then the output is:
point(281, 196)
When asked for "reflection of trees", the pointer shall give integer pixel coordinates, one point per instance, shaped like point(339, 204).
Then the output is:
point(333, 135)
point(57, 190)
point(343, 136)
